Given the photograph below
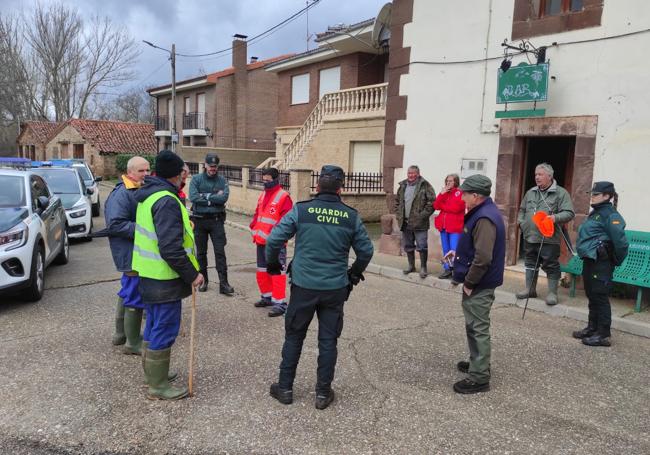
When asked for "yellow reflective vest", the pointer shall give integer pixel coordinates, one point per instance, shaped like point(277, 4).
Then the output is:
point(147, 260)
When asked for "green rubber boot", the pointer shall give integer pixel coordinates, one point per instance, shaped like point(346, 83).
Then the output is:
point(132, 325)
point(156, 367)
point(551, 298)
point(118, 337)
point(171, 377)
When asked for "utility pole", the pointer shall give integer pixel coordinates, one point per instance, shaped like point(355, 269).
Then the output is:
point(173, 113)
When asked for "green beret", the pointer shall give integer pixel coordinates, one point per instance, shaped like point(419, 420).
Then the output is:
point(477, 183)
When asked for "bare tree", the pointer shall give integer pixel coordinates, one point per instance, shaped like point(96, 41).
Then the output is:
point(74, 60)
point(109, 56)
point(131, 106)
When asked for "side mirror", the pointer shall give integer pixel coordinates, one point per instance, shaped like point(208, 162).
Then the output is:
point(42, 202)
point(99, 179)
point(89, 191)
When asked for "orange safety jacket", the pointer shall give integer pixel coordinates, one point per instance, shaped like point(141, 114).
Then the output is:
point(268, 216)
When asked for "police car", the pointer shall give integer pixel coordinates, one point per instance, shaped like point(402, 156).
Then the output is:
point(32, 232)
point(66, 183)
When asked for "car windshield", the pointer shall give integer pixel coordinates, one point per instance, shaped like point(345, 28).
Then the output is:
point(13, 191)
point(60, 181)
point(83, 171)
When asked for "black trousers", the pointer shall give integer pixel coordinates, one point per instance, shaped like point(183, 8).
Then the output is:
point(549, 258)
point(328, 305)
point(213, 228)
point(597, 277)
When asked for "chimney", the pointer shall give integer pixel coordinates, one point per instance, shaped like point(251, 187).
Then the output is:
point(253, 59)
point(239, 52)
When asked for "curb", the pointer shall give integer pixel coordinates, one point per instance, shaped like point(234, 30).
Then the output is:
point(579, 314)
point(637, 328)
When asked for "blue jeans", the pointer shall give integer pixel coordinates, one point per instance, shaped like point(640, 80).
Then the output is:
point(129, 292)
point(162, 325)
point(449, 242)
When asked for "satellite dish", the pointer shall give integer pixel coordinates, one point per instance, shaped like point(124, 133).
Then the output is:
point(381, 27)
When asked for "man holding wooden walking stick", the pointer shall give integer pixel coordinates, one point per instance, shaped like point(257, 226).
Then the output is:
point(164, 257)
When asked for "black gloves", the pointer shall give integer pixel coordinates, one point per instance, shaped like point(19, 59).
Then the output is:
point(355, 278)
point(274, 268)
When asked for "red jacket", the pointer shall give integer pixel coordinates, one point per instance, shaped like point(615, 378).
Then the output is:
point(452, 211)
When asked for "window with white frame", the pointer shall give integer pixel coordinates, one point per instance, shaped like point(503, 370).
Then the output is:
point(329, 81)
point(300, 89)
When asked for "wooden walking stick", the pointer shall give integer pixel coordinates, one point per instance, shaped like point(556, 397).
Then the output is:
point(191, 379)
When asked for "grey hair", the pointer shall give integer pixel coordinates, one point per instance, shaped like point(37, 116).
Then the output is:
point(414, 167)
point(547, 168)
point(130, 165)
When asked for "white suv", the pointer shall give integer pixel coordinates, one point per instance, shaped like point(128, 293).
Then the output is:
point(91, 183)
point(32, 233)
point(69, 186)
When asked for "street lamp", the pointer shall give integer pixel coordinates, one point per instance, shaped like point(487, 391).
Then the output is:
point(172, 57)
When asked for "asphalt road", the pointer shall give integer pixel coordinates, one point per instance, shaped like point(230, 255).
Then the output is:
point(67, 390)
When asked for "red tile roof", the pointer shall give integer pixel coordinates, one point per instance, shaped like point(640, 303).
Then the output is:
point(212, 77)
point(110, 137)
point(42, 131)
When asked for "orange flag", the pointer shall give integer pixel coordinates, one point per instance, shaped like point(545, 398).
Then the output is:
point(544, 223)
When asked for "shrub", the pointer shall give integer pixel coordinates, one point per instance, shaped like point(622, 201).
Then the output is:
point(122, 159)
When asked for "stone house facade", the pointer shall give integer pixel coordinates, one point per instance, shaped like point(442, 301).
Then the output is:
point(33, 138)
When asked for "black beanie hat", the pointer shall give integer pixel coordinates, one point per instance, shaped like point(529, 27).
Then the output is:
point(273, 172)
point(168, 164)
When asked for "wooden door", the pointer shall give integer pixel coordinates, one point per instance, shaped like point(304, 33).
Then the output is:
point(78, 151)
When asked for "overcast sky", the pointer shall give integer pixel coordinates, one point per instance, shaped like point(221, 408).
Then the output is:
point(202, 26)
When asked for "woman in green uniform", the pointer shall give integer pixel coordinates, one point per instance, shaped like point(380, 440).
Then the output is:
point(601, 245)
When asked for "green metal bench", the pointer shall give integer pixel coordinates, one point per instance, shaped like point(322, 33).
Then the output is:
point(635, 270)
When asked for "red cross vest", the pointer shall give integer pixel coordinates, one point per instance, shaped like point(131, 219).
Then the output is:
point(268, 216)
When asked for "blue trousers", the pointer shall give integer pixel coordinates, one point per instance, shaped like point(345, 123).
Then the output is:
point(162, 325)
point(129, 292)
point(449, 242)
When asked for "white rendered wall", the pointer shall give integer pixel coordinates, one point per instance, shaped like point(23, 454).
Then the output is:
point(450, 113)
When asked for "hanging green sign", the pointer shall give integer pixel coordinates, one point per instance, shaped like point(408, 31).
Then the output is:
point(522, 83)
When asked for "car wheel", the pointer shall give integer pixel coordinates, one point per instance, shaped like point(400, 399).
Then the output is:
point(64, 255)
point(37, 276)
point(96, 208)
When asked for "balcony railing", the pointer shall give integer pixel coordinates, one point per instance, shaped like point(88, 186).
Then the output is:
point(358, 102)
point(356, 182)
point(194, 121)
point(162, 123)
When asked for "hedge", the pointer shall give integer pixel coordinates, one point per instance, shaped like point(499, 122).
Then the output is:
point(123, 159)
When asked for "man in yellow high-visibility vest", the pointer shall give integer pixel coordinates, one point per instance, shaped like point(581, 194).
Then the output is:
point(164, 257)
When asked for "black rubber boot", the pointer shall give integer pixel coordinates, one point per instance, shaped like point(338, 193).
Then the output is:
point(119, 337)
point(531, 286)
point(423, 264)
point(411, 267)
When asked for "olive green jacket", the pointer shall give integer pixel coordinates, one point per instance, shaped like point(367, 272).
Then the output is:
point(421, 209)
point(554, 201)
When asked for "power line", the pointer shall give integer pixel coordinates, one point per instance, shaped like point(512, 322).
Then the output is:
point(260, 35)
point(554, 44)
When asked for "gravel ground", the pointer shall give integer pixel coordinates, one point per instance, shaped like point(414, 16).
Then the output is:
point(67, 390)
